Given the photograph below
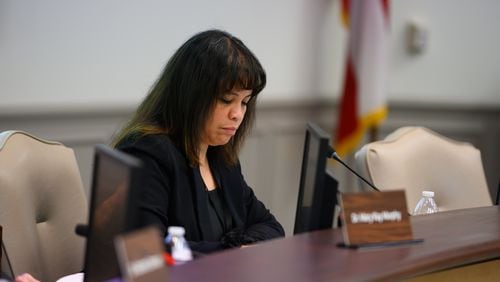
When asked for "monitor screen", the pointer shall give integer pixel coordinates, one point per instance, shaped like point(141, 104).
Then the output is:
point(317, 189)
point(112, 210)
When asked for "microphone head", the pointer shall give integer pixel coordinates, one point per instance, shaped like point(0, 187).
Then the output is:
point(82, 230)
point(332, 154)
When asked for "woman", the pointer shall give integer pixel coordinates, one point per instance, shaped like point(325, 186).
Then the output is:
point(188, 132)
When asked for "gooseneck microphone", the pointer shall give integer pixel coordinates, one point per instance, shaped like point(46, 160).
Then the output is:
point(333, 155)
point(82, 230)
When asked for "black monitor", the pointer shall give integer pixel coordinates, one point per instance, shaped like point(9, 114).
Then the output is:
point(6, 271)
point(318, 189)
point(112, 210)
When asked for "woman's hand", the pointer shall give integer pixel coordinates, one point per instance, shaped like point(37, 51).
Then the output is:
point(26, 277)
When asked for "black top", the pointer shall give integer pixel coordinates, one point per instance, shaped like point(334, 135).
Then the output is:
point(173, 195)
point(220, 218)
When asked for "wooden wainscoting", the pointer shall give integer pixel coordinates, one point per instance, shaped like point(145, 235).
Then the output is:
point(272, 155)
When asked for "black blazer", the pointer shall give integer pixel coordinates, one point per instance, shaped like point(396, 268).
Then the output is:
point(172, 195)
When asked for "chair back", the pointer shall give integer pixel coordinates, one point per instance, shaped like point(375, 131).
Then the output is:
point(417, 159)
point(41, 200)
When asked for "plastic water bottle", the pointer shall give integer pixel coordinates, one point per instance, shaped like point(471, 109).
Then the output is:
point(179, 247)
point(426, 204)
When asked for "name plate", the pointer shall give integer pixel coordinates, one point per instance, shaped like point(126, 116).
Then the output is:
point(140, 256)
point(375, 217)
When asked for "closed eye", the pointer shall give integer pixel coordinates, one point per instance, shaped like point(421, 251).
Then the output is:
point(225, 100)
point(246, 101)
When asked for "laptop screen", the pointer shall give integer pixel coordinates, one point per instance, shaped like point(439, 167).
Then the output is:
point(112, 210)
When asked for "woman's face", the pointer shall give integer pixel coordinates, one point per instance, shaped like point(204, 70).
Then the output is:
point(226, 117)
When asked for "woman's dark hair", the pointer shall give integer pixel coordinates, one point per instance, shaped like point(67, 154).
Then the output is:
point(201, 71)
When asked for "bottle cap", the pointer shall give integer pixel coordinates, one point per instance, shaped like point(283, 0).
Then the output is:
point(428, 193)
point(176, 230)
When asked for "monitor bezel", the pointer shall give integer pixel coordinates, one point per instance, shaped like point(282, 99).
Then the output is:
point(320, 214)
point(133, 165)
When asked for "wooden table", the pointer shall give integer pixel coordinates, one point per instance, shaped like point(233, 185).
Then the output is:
point(451, 239)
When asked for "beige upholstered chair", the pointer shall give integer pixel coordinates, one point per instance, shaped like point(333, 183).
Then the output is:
point(41, 200)
point(416, 159)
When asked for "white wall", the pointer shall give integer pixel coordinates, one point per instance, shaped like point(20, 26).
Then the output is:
point(61, 52)
point(84, 53)
point(461, 64)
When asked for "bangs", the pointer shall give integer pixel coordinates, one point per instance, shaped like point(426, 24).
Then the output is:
point(242, 71)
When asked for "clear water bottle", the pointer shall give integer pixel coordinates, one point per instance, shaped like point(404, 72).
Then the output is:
point(179, 247)
point(426, 204)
